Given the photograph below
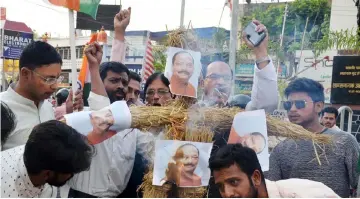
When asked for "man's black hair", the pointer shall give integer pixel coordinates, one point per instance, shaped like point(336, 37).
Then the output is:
point(181, 52)
point(112, 66)
point(38, 54)
point(55, 146)
point(135, 76)
point(331, 110)
point(153, 77)
point(245, 158)
point(204, 70)
point(8, 121)
point(311, 87)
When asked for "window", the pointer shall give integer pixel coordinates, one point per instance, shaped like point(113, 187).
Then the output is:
point(66, 53)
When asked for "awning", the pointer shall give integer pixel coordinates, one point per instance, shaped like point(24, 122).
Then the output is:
point(17, 26)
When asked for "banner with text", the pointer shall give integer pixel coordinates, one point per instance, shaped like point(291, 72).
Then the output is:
point(15, 42)
point(345, 88)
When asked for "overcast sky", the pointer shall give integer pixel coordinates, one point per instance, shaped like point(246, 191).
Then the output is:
point(43, 17)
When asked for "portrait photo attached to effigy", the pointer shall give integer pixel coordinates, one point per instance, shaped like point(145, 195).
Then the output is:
point(183, 68)
point(182, 163)
point(249, 129)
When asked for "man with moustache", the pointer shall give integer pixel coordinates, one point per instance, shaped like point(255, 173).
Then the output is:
point(186, 159)
point(298, 158)
point(238, 174)
point(109, 83)
point(39, 76)
point(218, 84)
point(218, 78)
point(183, 69)
point(53, 154)
point(133, 93)
point(328, 118)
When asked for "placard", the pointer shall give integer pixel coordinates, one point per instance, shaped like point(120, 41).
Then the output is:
point(183, 68)
point(249, 129)
point(345, 86)
point(184, 163)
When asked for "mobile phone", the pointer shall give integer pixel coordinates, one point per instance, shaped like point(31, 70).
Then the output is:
point(254, 37)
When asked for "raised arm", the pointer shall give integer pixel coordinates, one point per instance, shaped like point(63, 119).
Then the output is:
point(264, 93)
point(121, 21)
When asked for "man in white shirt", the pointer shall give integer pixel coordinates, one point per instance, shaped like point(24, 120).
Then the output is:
point(328, 118)
point(53, 153)
point(40, 68)
point(109, 83)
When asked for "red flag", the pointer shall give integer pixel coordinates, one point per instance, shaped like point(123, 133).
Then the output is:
point(3, 13)
point(148, 64)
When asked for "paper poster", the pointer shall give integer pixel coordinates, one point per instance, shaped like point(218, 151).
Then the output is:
point(249, 129)
point(181, 162)
point(183, 68)
point(101, 124)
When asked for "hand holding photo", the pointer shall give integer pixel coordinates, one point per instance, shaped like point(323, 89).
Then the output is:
point(249, 129)
point(186, 163)
point(183, 70)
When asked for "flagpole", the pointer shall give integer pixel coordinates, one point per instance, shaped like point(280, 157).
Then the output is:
point(73, 52)
point(233, 38)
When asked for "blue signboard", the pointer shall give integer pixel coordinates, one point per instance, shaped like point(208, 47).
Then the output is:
point(135, 68)
point(15, 42)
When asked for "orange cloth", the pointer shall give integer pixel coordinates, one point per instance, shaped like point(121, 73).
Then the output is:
point(178, 88)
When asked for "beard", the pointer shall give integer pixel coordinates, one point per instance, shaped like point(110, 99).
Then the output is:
point(116, 95)
point(253, 192)
point(54, 181)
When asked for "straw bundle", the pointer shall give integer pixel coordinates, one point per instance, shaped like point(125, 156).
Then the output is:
point(179, 120)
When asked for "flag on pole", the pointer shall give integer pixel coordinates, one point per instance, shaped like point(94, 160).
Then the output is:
point(84, 75)
point(89, 7)
point(148, 63)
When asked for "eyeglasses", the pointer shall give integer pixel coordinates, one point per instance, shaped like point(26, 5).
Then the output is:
point(50, 80)
point(226, 78)
point(159, 92)
point(299, 104)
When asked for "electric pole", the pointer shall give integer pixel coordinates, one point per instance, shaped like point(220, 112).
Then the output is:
point(182, 13)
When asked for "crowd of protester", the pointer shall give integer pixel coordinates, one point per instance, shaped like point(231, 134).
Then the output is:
point(43, 157)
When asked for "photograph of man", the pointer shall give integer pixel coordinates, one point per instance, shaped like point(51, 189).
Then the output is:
point(254, 140)
point(181, 168)
point(101, 121)
point(182, 70)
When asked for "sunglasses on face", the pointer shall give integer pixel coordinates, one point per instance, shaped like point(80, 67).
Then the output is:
point(299, 104)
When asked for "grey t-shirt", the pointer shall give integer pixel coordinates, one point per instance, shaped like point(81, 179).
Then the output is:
point(297, 159)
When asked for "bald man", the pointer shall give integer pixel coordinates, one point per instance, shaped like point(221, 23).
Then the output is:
point(218, 82)
point(255, 141)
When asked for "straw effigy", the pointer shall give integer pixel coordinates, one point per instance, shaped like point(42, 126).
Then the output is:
point(178, 117)
point(192, 123)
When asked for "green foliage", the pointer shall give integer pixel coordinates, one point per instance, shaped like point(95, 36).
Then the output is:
point(159, 58)
point(318, 12)
point(339, 40)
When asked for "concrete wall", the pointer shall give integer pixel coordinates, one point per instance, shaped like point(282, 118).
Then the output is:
point(343, 15)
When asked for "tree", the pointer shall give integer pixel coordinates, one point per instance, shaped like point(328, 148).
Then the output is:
point(159, 58)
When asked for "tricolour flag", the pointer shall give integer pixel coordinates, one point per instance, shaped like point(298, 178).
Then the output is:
point(89, 7)
point(84, 75)
point(148, 63)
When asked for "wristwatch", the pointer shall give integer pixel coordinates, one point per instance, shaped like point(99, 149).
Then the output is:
point(262, 59)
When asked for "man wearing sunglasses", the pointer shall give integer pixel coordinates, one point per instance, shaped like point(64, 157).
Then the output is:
point(297, 158)
point(39, 76)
